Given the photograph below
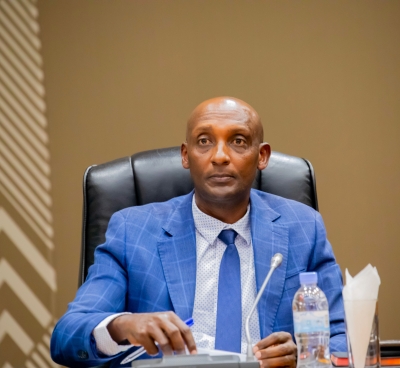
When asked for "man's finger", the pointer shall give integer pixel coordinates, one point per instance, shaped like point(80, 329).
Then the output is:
point(285, 361)
point(187, 336)
point(149, 345)
point(276, 351)
point(155, 331)
point(189, 340)
point(163, 341)
point(275, 338)
point(175, 337)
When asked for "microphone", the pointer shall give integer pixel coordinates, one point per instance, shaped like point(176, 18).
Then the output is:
point(276, 261)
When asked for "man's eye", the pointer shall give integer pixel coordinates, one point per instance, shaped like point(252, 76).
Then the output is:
point(239, 142)
point(203, 141)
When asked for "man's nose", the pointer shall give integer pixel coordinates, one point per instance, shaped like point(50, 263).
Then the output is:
point(220, 154)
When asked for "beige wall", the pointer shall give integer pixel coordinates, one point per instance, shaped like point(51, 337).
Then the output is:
point(122, 76)
point(27, 276)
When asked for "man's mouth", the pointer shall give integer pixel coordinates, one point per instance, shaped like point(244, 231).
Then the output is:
point(221, 178)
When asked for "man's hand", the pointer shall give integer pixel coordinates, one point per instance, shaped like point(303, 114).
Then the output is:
point(276, 350)
point(165, 328)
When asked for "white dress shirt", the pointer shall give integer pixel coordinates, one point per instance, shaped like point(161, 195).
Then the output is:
point(209, 251)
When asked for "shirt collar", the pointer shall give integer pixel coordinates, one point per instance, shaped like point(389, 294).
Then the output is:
point(210, 227)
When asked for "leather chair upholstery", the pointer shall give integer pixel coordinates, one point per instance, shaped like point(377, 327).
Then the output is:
point(157, 175)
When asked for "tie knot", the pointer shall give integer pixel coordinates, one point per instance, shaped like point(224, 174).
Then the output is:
point(228, 236)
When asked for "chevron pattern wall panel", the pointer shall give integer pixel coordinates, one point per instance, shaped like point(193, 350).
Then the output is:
point(27, 276)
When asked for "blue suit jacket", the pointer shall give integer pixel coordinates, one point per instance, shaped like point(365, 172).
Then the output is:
point(148, 264)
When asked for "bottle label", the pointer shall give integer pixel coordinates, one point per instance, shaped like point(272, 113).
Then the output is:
point(312, 321)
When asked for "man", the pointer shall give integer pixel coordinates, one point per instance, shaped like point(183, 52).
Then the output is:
point(203, 255)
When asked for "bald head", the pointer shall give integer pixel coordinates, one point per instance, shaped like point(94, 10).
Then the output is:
point(226, 108)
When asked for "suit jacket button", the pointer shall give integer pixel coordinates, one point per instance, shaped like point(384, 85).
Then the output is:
point(83, 354)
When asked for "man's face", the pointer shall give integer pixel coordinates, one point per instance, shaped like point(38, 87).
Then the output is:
point(223, 152)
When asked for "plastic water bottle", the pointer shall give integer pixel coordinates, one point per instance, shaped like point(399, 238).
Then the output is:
point(311, 323)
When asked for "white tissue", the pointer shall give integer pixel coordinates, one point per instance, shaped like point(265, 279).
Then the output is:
point(360, 295)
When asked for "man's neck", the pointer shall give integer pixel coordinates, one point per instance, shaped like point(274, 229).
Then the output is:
point(228, 212)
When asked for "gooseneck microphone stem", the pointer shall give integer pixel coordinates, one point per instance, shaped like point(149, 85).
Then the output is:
point(276, 261)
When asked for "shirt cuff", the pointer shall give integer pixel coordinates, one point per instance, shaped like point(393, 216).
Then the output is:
point(104, 342)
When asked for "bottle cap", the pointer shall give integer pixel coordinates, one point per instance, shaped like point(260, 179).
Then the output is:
point(308, 278)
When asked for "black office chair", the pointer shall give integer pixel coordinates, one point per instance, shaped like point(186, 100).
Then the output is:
point(157, 175)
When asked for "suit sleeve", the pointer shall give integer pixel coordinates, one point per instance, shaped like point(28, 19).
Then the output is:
point(330, 281)
point(102, 295)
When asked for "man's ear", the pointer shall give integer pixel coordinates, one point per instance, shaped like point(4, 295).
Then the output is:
point(184, 155)
point(264, 155)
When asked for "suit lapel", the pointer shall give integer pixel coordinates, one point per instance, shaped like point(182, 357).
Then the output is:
point(268, 238)
point(177, 250)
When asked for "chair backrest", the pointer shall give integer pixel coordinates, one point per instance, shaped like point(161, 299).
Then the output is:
point(157, 175)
